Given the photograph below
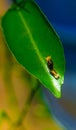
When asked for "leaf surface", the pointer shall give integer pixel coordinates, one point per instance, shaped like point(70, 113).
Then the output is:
point(31, 39)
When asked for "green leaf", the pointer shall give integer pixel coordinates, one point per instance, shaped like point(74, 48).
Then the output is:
point(31, 39)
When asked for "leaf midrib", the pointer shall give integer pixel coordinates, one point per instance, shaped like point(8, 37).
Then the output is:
point(33, 42)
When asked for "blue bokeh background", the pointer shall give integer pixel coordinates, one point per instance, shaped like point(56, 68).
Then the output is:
point(62, 15)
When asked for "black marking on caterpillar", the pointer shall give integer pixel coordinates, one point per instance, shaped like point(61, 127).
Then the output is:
point(51, 67)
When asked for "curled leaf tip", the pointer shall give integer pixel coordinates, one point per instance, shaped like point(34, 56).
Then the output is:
point(57, 92)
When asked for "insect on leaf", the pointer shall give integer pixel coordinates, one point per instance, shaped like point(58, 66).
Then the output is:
point(32, 40)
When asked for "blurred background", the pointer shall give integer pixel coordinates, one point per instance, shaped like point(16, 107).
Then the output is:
point(62, 15)
point(46, 112)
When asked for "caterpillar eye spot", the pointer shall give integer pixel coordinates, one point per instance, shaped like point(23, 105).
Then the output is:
point(51, 67)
